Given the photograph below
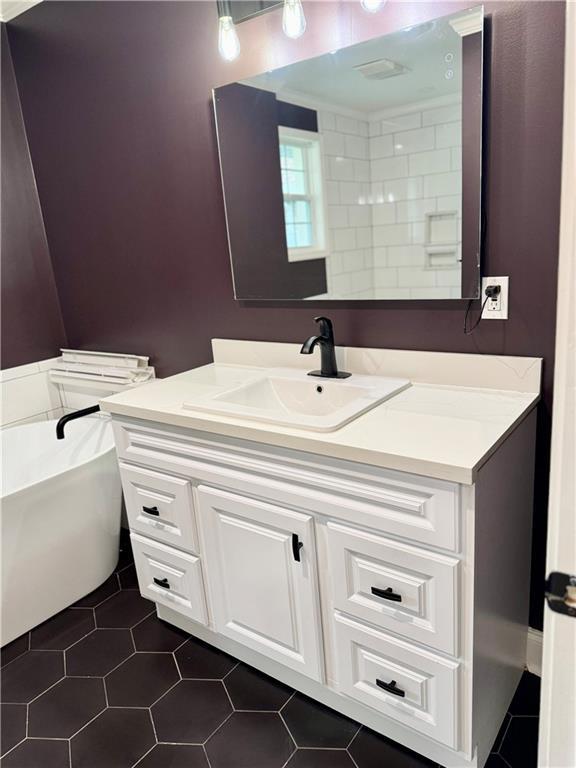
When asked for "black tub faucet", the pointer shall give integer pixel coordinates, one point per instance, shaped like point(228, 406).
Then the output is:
point(328, 367)
point(71, 416)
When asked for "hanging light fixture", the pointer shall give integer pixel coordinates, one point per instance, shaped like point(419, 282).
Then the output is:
point(293, 19)
point(372, 5)
point(228, 43)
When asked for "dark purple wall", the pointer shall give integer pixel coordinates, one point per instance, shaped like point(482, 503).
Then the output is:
point(248, 120)
point(116, 99)
point(30, 317)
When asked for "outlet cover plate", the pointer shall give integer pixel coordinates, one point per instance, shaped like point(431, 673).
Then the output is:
point(498, 309)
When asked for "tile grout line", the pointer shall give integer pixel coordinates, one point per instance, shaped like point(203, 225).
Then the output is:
point(353, 737)
point(503, 737)
point(287, 701)
point(38, 695)
point(230, 671)
point(164, 694)
point(288, 729)
point(144, 755)
point(352, 758)
point(14, 747)
point(223, 684)
point(153, 725)
point(180, 743)
point(118, 665)
point(290, 758)
point(206, 755)
point(217, 729)
point(88, 723)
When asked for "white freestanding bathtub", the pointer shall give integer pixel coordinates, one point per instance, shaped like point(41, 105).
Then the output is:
point(60, 518)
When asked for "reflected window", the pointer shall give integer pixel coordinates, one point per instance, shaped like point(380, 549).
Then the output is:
point(302, 189)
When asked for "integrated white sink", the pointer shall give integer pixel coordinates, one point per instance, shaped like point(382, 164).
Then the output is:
point(291, 397)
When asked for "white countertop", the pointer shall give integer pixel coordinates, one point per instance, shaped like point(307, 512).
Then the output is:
point(436, 430)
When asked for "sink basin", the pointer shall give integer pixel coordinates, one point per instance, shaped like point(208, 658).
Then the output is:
point(290, 397)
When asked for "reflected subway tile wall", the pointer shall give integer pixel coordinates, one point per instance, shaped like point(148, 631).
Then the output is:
point(393, 190)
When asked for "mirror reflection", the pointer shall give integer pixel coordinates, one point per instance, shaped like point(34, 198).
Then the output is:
point(356, 174)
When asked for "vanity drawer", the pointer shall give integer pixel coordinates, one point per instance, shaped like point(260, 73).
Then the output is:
point(160, 506)
point(398, 587)
point(408, 684)
point(169, 577)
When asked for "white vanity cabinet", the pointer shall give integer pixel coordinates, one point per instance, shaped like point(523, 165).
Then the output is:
point(398, 599)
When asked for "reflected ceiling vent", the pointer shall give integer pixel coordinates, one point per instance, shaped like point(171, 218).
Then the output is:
point(381, 69)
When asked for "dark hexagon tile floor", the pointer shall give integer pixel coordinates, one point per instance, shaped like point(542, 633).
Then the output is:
point(252, 690)
point(191, 711)
point(59, 632)
point(313, 725)
point(99, 652)
point(117, 738)
point(12, 725)
point(30, 675)
point(175, 756)
point(250, 740)
point(151, 634)
point(38, 753)
point(66, 707)
point(141, 680)
point(106, 684)
point(321, 758)
point(199, 661)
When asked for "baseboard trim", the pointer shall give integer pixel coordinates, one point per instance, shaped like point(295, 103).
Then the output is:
point(534, 651)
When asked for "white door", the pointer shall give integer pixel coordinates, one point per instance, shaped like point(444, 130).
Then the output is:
point(260, 563)
point(557, 738)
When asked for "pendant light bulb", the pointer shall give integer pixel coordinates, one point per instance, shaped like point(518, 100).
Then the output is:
point(293, 19)
point(372, 5)
point(228, 43)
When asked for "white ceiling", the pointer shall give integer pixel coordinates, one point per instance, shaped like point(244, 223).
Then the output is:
point(332, 79)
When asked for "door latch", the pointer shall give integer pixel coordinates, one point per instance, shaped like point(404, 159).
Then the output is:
point(561, 593)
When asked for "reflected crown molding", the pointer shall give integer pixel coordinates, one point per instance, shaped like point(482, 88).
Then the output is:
point(468, 24)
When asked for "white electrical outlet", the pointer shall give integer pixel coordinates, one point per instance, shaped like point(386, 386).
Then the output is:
point(496, 308)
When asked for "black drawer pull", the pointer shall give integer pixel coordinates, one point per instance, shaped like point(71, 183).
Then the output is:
point(151, 511)
point(296, 547)
point(387, 594)
point(391, 687)
point(164, 583)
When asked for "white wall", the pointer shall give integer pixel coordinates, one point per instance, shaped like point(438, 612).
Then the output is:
point(26, 394)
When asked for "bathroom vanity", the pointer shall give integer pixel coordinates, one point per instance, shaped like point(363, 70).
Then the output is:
point(381, 568)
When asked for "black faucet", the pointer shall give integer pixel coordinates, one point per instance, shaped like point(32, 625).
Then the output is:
point(329, 369)
point(71, 416)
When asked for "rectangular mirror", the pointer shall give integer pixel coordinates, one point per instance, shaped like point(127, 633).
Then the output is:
point(357, 174)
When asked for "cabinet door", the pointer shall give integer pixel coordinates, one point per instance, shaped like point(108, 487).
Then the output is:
point(261, 569)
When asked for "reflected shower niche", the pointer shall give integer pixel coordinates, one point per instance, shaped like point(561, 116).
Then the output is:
point(357, 174)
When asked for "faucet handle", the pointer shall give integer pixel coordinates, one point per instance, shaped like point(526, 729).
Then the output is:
point(325, 327)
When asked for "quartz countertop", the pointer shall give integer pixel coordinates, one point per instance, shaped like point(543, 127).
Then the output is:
point(437, 430)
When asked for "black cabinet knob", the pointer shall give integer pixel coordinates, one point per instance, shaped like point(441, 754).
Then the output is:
point(152, 511)
point(164, 583)
point(387, 594)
